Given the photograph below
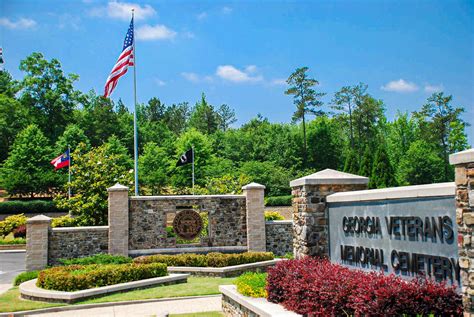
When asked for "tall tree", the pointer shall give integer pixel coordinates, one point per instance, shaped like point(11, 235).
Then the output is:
point(347, 100)
point(226, 117)
point(305, 98)
point(203, 117)
point(49, 93)
point(351, 164)
point(13, 118)
point(324, 146)
point(176, 117)
point(383, 174)
point(73, 135)
point(436, 120)
point(8, 86)
point(154, 166)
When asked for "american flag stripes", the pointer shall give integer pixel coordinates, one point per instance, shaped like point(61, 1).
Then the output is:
point(121, 66)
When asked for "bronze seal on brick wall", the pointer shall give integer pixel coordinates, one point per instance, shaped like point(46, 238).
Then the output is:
point(187, 224)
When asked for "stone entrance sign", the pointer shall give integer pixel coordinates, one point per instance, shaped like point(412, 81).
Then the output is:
point(187, 224)
point(406, 231)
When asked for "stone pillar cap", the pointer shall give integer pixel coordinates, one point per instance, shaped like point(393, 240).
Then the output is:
point(253, 186)
point(329, 177)
point(463, 157)
point(118, 188)
point(39, 218)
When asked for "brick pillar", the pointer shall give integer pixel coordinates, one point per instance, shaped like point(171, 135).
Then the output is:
point(118, 220)
point(255, 206)
point(310, 213)
point(37, 230)
point(464, 179)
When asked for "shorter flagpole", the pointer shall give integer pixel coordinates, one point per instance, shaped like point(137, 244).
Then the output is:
point(69, 172)
point(192, 147)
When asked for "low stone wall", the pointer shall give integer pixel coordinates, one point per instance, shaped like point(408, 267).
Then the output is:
point(279, 236)
point(74, 242)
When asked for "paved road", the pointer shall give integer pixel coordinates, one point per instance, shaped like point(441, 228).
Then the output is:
point(11, 264)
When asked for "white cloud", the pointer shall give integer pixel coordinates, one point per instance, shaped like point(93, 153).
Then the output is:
point(201, 16)
point(123, 11)
point(195, 78)
point(227, 10)
point(230, 73)
point(278, 82)
point(434, 88)
point(20, 24)
point(157, 32)
point(400, 86)
point(159, 82)
point(250, 69)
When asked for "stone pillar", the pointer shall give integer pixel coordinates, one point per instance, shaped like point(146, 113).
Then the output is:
point(310, 212)
point(254, 194)
point(118, 220)
point(37, 231)
point(464, 179)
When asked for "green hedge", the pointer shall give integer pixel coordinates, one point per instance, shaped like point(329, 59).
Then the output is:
point(278, 201)
point(273, 215)
point(252, 284)
point(25, 276)
point(78, 277)
point(206, 260)
point(97, 259)
point(28, 207)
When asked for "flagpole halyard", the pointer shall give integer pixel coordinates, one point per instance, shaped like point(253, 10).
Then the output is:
point(135, 128)
point(192, 147)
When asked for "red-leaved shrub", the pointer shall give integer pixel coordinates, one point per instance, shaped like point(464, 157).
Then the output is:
point(318, 287)
point(20, 232)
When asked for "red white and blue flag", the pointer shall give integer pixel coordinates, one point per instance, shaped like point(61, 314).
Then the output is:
point(121, 66)
point(62, 160)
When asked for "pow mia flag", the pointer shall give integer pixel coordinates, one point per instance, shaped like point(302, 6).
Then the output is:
point(186, 158)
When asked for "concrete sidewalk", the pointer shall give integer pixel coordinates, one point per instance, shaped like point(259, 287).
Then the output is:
point(157, 308)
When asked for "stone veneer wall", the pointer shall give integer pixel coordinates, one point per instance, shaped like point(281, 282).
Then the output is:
point(310, 217)
point(147, 219)
point(67, 243)
point(279, 236)
point(230, 308)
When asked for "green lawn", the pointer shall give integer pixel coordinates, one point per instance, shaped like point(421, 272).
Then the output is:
point(10, 301)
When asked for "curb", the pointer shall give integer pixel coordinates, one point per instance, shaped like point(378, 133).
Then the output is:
point(98, 305)
point(13, 251)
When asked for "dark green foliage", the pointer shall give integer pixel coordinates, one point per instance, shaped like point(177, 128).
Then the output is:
point(324, 144)
point(97, 259)
point(28, 207)
point(382, 171)
point(367, 163)
point(25, 276)
point(352, 163)
point(275, 178)
point(252, 284)
point(278, 200)
point(77, 277)
point(206, 260)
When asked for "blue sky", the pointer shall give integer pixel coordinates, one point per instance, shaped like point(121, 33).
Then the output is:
point(240, 53)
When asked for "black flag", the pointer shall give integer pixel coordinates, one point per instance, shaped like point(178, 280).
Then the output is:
point(186, 158)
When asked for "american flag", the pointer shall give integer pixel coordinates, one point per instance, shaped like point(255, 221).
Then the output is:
point(121, 66)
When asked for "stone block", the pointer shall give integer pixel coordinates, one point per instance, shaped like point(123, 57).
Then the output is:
point(468, 218)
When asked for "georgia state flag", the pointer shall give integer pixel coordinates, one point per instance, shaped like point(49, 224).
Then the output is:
point(61, 161)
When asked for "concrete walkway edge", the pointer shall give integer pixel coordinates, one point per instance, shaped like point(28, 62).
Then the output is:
point(99, 305)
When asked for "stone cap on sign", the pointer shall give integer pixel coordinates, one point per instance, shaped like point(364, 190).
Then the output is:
point(402, 192)
point(253, 186)
point(329, 177)
point(118, 188)
point(39, 219)
point(463, 157)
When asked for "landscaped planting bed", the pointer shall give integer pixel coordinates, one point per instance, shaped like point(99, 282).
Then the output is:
point(319, 287)
point(214, 259)
point(79, 277)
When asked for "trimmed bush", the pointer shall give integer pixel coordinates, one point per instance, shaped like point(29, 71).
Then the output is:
point(319, 287)
point(20, 232)
point(28, 207)
point(25, 276)
point(206, 260)
point(13, 241)
point(252, 284)
point(64, 221)
point(77, 277)
point(11, 223)
point(273, 215)
point(278, 201)
point(97, 259)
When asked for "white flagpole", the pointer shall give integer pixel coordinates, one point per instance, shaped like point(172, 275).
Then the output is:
point(135, 128)
point(192, 150)
point(69, 168)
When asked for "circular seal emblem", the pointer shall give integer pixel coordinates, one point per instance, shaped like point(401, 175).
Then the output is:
point(187, 224)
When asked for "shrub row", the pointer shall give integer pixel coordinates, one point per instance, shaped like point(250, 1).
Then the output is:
point(206, 260)
point(273, 215)
point(13, 241)
point(97, 259)
point(28, 207)
point(278, 201)
point(318, 287)
point(252, 284)
point(10, 223)
point(78, 277)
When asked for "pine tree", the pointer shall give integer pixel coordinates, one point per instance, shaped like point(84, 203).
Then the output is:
point(352, 163)
point(383, 174)
point(366, 163)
